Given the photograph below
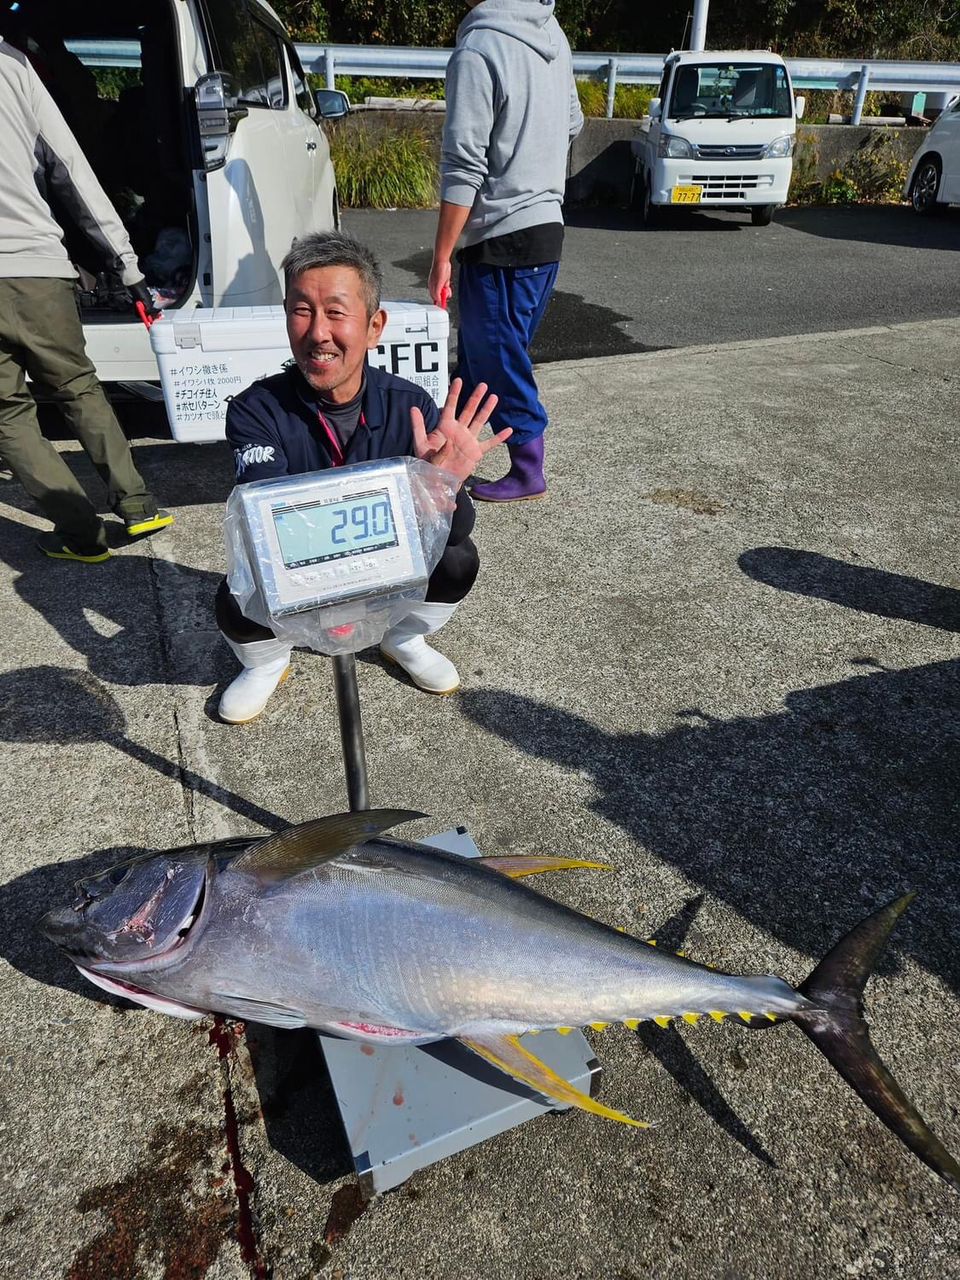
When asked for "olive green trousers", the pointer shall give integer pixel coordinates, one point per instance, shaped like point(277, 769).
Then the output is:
point(41, 335)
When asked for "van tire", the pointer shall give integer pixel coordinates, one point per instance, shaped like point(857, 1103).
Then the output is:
point(761, 215)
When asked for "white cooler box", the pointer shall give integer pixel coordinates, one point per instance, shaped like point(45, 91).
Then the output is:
point(206, 356)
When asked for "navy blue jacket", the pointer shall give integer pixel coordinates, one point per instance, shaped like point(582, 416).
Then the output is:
point(274, 428)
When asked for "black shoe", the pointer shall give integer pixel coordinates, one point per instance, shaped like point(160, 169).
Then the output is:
point(56, 546)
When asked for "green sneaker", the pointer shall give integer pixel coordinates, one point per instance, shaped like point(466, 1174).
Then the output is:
point(137, 525)
point(55, 546)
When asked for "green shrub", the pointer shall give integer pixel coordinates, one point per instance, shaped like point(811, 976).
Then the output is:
point(878, 170)
point(358, 88)
point(630, 101)
point(838, 189)
point(383, 168)
point(804, 182)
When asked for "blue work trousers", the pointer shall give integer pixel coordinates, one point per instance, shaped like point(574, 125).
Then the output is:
point(500, 309)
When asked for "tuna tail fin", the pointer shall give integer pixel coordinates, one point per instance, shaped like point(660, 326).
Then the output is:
point(837, 1026)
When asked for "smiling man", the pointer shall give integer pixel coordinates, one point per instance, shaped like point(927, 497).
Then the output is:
point(333, 408)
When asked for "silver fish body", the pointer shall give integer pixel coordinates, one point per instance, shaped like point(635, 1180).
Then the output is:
point(407, 937)
point(332, 926)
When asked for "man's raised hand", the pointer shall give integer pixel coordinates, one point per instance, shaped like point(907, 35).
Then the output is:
point(454, 444)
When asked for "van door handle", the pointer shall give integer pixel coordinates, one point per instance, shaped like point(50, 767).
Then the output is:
point(311, 146)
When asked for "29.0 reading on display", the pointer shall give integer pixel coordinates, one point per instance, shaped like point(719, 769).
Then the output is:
point(314, 532)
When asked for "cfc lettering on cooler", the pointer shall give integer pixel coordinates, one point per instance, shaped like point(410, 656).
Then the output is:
point(253, 453)
point(402, 357)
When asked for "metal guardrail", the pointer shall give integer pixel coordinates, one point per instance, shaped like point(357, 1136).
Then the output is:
point(408, 63)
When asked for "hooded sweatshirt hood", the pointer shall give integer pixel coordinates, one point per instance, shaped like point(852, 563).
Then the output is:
point(524, 20)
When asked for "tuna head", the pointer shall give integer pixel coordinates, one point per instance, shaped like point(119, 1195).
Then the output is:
point(137, 917)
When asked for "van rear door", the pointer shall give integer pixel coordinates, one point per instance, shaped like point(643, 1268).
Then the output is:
point(253, 196)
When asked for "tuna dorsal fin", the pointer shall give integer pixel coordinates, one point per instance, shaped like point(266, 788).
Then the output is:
point(516, 866)
point(507, 1053)
point(310, 843)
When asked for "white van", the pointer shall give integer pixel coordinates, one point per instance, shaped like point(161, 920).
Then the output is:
point(209, 146)
point(721, 135)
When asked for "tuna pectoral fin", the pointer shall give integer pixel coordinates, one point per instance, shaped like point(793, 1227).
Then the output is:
point(519, 865)
point(839, 1030)
point(507, 1053)
point(307, 845)
point(272, 1015)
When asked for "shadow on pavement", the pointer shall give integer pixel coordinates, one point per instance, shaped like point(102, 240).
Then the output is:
point(108, 612)
point(875, 224)
point(888, 595)
point(805, 819)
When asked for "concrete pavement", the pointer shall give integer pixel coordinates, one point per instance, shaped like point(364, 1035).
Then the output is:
point(724, 655)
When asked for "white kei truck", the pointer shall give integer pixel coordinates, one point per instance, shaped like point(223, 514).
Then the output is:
point(720, 135)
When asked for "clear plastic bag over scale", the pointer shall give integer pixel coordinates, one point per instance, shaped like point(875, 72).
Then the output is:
point(356, 624)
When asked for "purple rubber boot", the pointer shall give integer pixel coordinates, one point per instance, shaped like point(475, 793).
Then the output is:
point(523, 480)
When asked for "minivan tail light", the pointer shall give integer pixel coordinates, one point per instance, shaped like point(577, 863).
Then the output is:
point(217, 117)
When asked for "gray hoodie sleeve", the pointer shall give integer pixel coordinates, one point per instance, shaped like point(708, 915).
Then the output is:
point(467, 128)
point(576, 114)
point(68, 173)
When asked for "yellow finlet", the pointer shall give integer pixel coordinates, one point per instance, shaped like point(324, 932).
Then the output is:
point(772, 1017)
point(599, 1026)
point(681, 954)
point(745, 1016)
point(651, 942)
point(692, 1018)
point(662, 1021)
point(717, 1015)
point(563, 1031)
point(631, 1023)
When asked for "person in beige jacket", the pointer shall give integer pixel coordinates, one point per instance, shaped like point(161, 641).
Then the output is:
point(40, 330)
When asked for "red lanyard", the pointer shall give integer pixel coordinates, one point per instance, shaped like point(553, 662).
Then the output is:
point(336, 447)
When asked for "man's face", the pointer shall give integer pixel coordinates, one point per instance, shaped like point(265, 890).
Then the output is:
point(329, 330)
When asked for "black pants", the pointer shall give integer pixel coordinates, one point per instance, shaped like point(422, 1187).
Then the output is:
point(449, 583)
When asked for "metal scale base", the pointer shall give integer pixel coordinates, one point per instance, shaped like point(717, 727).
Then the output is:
point(406, 1108)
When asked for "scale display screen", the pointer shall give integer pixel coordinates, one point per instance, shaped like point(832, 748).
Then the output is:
point(311, 533)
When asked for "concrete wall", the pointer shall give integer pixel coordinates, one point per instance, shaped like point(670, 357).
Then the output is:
point(601, 164)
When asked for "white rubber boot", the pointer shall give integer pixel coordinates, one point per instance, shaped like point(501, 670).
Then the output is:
point(405, 645)
point(266, 664)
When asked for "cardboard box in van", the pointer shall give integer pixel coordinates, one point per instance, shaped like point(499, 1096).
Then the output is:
point(208, 355)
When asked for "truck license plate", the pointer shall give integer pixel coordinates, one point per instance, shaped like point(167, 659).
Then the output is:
point(685, 195)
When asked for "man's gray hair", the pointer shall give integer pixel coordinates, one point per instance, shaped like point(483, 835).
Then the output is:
point(335, 249)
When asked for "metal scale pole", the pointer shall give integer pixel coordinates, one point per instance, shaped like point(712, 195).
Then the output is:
point(351, 729)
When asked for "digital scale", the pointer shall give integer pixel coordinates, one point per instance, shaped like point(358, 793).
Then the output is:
point(332, 559)
point(329, 538)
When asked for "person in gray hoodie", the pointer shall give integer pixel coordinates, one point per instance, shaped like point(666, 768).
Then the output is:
point(512, 110)
point(40, 330)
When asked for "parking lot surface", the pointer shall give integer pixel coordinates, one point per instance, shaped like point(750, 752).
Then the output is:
point(723, 655)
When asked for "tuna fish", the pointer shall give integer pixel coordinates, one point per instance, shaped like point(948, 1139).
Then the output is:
point(334, 926)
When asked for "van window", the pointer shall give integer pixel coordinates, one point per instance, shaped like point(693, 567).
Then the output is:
point(250, 54)
point(730, 90)
point(301, 90)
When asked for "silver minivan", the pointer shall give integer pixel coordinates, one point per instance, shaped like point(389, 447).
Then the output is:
point(197, 118)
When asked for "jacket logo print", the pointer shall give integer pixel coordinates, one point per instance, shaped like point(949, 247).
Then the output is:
point(251, 454)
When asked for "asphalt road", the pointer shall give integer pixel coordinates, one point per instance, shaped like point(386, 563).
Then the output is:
point(705, 278)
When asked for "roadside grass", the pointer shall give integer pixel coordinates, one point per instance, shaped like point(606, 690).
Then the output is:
point(630, 101)
point(874, 174)
point(384, 169)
